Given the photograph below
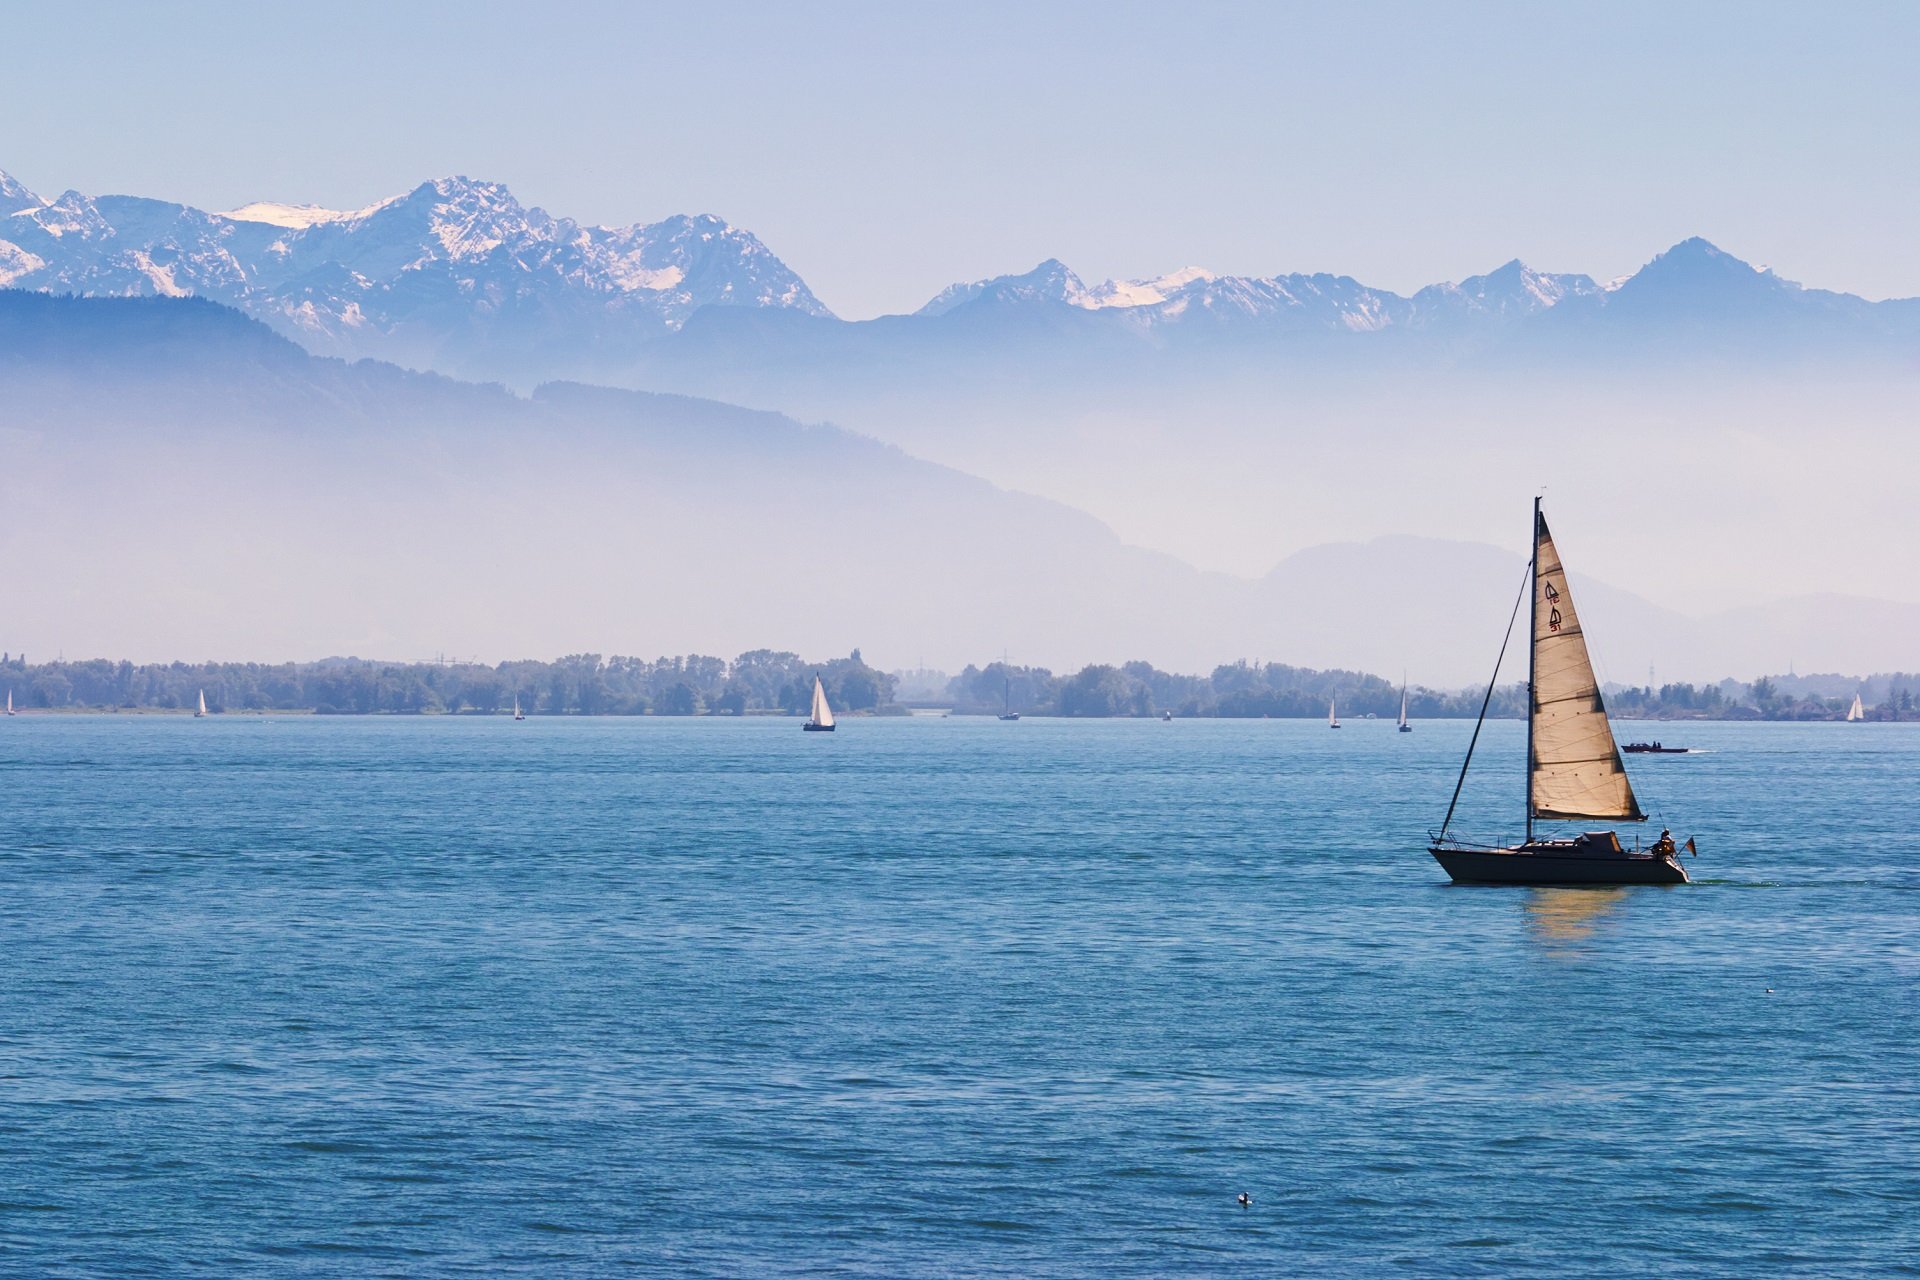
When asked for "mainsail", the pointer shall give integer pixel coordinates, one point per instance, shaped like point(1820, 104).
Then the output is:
point(822, 713)
point(1403, 706)
point(1576, 771)
point(1856, 711)
point(203, 704)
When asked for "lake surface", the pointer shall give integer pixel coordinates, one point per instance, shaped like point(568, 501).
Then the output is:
point(436, 997)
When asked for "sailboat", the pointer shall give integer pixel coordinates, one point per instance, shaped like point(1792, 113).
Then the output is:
point(1333, 721)
point(1574, 768)
point(203, 705)
point(1404, 726)
point(517, 713)
point(1854, 712)
point(10, 710)
point(1006, 702)
point(821, 721)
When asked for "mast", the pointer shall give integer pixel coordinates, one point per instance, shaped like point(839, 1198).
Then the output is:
point(1446, 825)
point(1533, 651)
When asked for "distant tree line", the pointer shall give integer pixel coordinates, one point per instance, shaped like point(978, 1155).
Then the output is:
point(765, 682)
point(1274, 689)
point(1241, 689)
point(1764, 699)
point(760, 682)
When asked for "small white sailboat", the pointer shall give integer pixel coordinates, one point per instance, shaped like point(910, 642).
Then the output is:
point(203, 705)
point(1856, 711)
point(821, 721)
point(10, 702)
point(1333, 721)
point(517, 713)
point(1404, 726)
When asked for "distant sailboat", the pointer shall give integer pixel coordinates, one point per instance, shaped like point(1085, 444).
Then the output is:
point(1006, 702)
point(203, 705)
point(10, 702)
point(1854, 712)
point(1404, 726)
point(517, 713)
point(1333, 721)
point(821, 721)
point(1574, 769)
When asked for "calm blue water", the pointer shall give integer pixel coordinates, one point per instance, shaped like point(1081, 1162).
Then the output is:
point(937, 997)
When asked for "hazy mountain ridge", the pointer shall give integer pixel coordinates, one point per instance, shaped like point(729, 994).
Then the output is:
point(1692, 279)
point(1297, 301)
point(183, 482)
point(1227, 421)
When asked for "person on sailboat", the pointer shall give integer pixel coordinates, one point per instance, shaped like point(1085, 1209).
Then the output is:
point(1663, 847)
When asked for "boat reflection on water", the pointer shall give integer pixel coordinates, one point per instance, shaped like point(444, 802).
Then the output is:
point(1562, 919)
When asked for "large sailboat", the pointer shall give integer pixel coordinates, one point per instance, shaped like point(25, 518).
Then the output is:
point(1404, 726)
point(1856, 711)
point(1574, 769)
point(821, 721)
point(203, 705)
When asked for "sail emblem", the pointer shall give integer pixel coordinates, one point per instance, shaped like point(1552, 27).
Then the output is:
point(1553, 596)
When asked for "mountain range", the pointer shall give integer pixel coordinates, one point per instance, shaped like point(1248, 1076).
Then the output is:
point(182, 482)
point(434, 276)
point(1738, 437)
point(457, 273)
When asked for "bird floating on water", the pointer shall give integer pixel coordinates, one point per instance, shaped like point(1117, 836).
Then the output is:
point(1245, 1199)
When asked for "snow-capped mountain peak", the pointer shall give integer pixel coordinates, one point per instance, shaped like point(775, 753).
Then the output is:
point(1051, 281)
point(1145, 293)
point(15, 197)
point(71, 216)
point(295, 217)
point(1508, 291)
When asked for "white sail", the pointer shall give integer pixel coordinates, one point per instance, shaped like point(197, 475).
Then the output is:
point(516, 706)
point(9, 702)
point(822, 713)
point(1403, 705)
point(1332, 719)
point(1855, 712)
point(203, 703)
point(1576, 768)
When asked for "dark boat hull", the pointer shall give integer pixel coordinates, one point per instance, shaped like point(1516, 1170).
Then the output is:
point(1518, 866)
point(818, 728)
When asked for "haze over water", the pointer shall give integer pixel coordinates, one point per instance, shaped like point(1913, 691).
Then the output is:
point(932, 997)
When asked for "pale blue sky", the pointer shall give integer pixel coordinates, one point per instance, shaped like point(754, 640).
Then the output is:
point(885, 151)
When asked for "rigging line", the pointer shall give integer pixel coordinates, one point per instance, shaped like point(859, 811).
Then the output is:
point(1525, 583)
